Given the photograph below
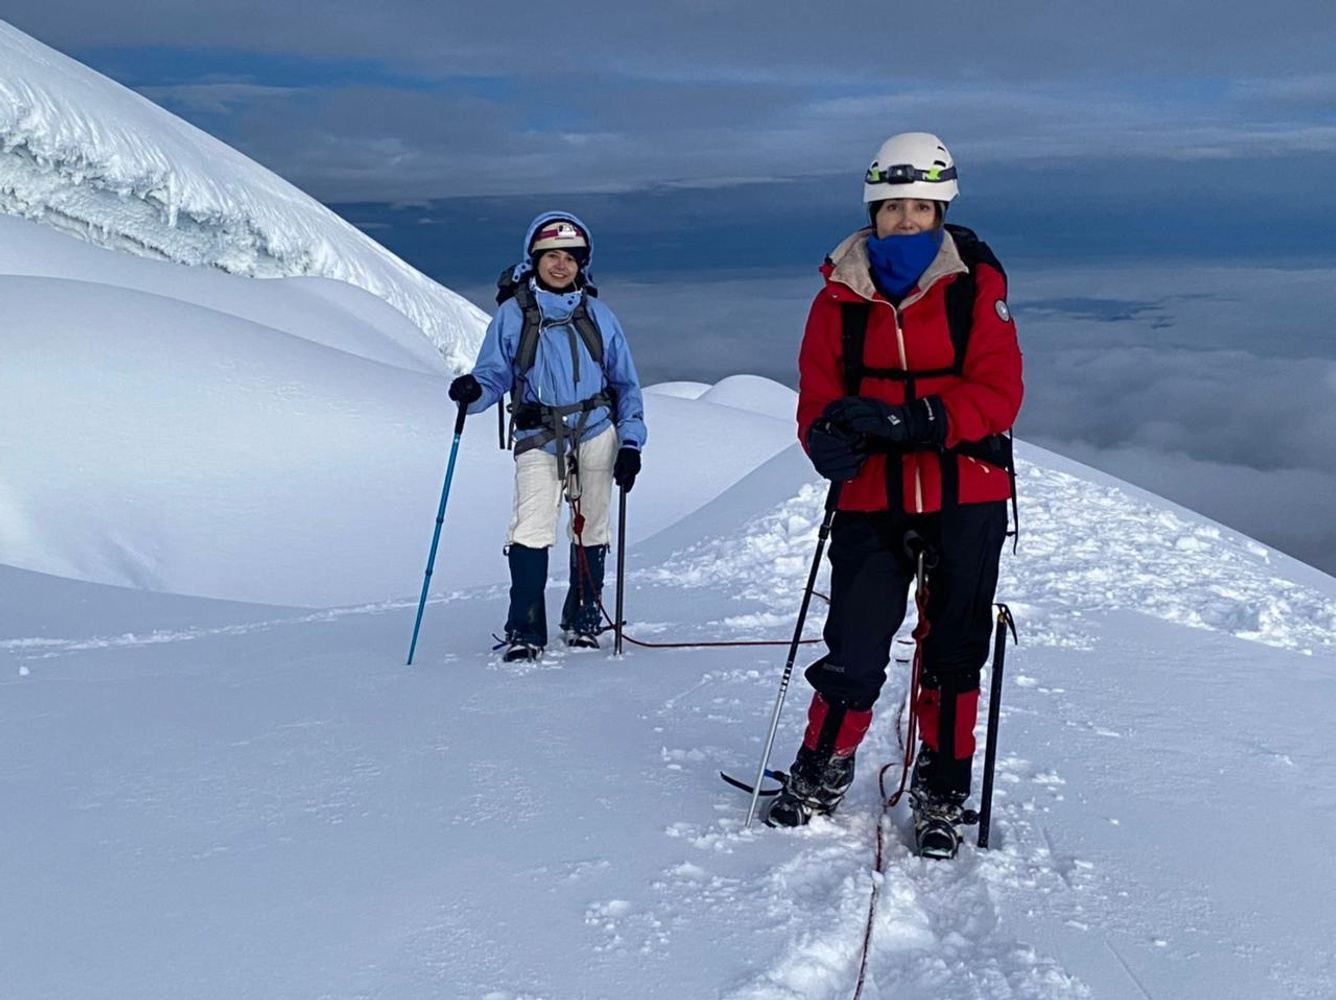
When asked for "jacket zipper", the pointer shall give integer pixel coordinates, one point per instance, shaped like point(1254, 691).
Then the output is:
point(904, 364)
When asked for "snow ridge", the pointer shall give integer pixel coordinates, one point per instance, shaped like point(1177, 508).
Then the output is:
point(83, 154)
point(1143, 556)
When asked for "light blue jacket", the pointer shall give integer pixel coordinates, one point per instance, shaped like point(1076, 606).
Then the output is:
point(552, 380)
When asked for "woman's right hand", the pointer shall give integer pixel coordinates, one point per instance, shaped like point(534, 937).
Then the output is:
point(838, 454)
point(466, 390)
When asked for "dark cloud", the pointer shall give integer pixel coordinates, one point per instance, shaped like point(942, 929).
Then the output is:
point(413, 100)
point(729, 40)
point(446, 141)
point(704, 327)
point(1104, 310)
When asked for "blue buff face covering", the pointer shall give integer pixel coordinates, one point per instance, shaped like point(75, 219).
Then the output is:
point(899, 261)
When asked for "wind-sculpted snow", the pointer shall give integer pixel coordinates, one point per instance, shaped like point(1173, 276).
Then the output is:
point(1085, 547)
point(84, 154)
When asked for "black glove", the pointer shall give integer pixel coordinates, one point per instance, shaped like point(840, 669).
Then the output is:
point(922, 422)
point(836, 453)
point(465, 389)
point(627, 467)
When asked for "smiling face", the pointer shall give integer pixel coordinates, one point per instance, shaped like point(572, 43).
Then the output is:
point(557, 269)
point(905, 216)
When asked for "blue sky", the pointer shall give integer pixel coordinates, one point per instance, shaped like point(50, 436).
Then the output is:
point(1157, 177)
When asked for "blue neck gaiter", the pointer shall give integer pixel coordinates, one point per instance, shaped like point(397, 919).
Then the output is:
point(899, 261)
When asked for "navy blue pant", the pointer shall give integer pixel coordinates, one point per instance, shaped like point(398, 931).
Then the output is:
point(871, 575)
point(527, 619)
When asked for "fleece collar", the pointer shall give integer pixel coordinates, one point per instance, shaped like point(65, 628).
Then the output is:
point(850, 267)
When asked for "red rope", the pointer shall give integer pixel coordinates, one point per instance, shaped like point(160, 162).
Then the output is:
point(586, 574)
point(871, 905)
point(908, 743)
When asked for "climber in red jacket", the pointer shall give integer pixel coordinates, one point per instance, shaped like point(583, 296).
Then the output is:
point(909, 379)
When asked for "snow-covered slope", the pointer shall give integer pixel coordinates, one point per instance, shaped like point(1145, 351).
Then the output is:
point(86, 155)
point(194, 432)
point(183, 782)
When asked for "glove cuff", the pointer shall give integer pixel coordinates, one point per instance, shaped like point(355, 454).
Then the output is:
point(929, 420)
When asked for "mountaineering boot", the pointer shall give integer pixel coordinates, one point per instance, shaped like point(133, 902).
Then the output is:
point(580, 640)
point(824, 768)
point(815, 786)
point(936, 826)
point(580, 614)
point(937, 814)
point(519, 651)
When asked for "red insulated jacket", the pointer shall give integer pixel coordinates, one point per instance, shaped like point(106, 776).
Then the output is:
point(982, 400)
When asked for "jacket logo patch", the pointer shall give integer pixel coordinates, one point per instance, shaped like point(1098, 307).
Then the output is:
point(1003, 313)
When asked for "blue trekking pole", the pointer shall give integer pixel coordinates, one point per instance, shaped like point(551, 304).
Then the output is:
point(440, 519)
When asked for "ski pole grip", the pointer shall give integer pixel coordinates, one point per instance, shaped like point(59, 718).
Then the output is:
point(459, 420)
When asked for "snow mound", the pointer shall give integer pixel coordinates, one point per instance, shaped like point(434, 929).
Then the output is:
point(681, 390)
point(83, 154)
point(754, 393)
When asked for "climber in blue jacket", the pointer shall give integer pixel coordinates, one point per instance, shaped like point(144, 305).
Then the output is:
point(578, 418)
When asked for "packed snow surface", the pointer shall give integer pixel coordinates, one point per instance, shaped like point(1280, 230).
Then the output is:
point(185, 781)
point(88, 156)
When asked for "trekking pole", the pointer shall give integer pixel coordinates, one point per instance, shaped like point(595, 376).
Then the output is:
point(832, 501)
point(440, 519)
point(1004, 619)
point(621, 569)
point(501, 422)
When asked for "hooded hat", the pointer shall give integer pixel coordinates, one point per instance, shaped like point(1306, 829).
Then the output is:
point(532, 235)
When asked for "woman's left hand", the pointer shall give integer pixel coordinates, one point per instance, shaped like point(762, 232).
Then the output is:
point(921, 422)
point(626, 467)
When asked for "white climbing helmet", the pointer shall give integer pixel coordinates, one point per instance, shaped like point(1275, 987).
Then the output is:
point(911, 165)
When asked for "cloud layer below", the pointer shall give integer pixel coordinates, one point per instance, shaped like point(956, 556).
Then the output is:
point(1199, 383)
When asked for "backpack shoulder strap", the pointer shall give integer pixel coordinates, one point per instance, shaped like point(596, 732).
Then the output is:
point(587, 327)
point(960, 315)
point(505, 285)
point(961, 292)
point(973, 250)
point(527, 349)
point(853, 317)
